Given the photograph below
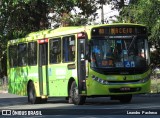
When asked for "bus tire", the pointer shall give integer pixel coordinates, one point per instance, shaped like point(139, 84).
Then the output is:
point(125, 98)
point(32, 94)
point(70, 100)
point(76, 98)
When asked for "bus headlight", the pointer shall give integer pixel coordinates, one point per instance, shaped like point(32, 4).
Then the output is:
point(99, 80)
point(145, 79)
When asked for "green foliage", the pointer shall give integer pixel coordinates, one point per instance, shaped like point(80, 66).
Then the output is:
point(88, 7)
point(155, 85)
point(145, 12)
point(24, 16)
point(19, 17)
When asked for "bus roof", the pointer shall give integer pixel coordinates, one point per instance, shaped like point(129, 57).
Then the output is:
point(115, 24)
point(38, 33)
point(64, 31)
point(14, 41)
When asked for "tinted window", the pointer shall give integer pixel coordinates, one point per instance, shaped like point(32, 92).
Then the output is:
point(22, 54)
point(32, 53)
point(68, 48)
point(55, 50)
point(13, 56)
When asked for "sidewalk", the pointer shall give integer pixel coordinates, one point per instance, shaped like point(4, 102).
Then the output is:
point(3, 91)
point(149, 95)
point(4, 84)
point(3, 88)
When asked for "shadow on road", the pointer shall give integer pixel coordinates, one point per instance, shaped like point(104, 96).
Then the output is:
point(11, 100)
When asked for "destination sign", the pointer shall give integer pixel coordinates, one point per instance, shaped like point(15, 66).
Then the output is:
point(118, 31)
point(121, 30)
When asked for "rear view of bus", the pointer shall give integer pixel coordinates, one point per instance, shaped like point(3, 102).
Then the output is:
point(119, 61)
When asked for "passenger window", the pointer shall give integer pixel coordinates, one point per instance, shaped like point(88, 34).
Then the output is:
point(22, 54)
point(55, 50)
point(69, 49)
point(32, 53)
point(13, 56)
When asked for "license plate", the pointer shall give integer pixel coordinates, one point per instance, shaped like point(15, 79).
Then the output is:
point(125, 89)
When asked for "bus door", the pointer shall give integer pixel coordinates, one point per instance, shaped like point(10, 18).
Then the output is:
point(81, 63)
point(43, 66)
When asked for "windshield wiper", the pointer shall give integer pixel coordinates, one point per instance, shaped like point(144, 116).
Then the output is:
point(134, 37)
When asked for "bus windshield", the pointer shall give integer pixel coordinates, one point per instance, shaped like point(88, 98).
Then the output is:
point(119, 53)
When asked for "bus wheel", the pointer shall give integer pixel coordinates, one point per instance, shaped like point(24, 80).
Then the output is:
point(125, 98)
point(76, 98)
point(32, 95)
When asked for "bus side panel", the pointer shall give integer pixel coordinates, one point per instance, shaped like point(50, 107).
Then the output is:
point(18, 80)
point(63, 67)
point(33, 76)
point(19, 77)
point(11, 80)
point(58, 79)
point(53, 91)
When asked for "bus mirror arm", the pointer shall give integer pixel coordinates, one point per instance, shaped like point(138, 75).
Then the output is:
point(134, 37)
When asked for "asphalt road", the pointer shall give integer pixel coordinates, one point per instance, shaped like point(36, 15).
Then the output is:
point(147, 106)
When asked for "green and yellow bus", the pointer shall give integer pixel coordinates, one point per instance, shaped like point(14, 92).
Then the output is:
point(109, 60)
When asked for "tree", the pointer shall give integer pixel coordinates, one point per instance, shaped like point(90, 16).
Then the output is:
point(145, 12)
point(19, 17)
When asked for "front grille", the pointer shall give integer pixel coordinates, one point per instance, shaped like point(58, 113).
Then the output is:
point(127, 81)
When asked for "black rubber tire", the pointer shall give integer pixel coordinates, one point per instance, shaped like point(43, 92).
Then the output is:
point(70, 100)
point(32, 95)
point(75, 97)
point(125, 98)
